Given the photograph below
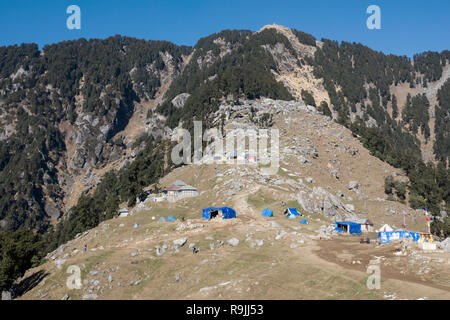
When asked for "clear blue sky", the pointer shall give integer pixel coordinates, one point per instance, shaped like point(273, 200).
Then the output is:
point(408, 27)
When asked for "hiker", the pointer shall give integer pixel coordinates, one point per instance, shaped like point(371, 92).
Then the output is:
point(194, 250)
point(182, 218)
point(283, 204)
point(85, 248)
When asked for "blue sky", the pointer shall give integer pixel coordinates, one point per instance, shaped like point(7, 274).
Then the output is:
point(408, 27)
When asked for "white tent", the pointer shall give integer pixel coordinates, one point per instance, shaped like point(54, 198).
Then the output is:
point(385, 228)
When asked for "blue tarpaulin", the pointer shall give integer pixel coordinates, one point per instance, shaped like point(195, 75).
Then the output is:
point(294, 211)
point(303, 221)
point(267, 213)
point(347, 226)
point(171, 218)
point(227, 213)
point(386, 237)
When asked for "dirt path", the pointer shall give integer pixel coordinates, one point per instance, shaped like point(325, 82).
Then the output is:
point(241, 204)
point(344, 251)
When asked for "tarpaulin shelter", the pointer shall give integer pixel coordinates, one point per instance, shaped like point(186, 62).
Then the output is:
point(171, 218)
point(294, 211)
point(303, 221)
point(386, 237)
point(212, 212)
point(267, 213)
point(347, 227)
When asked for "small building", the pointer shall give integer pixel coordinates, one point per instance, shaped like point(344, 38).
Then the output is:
point(123, 212)
point(179, 189)
point(366, 225)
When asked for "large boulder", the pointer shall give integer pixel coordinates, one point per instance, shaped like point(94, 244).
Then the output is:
point(179, 242)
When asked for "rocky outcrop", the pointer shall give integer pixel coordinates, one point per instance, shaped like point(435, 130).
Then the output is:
point(180, 100)
point(321, 201)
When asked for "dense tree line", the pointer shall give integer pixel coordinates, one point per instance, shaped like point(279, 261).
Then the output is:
point(305, 38)
point(415, 114)
point(19, 251)
point(431, 64)
point(442, 124)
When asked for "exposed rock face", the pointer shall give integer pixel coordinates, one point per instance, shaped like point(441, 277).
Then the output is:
point(180, 100)
point(321, 201)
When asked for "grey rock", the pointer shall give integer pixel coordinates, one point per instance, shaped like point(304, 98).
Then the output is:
point(233, 242)
point(160, 251)
point(179, 242)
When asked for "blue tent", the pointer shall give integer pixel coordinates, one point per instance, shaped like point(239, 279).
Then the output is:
point(171, 218)
point(227, 213)
point(294, 211)
point(267, 213)
point(303, 221)
point(162, 219)
point(386, 237)
point(347, 226)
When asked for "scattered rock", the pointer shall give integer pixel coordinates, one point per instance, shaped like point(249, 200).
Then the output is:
point(354, 186)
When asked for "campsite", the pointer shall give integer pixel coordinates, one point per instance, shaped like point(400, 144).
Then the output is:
point(265, 248)
point(281, 237)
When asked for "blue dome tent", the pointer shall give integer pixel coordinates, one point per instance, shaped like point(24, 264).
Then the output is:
point(227, 213)
point(267, 213)
point(162, 219)
point(294, 211)
point(303, 221)
point(171, 218)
